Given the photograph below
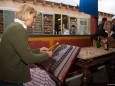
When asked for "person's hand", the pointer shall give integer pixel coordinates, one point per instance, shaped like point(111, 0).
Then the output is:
point(50, 53)
point(44, 49)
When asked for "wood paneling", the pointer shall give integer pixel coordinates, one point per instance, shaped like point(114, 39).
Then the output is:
point(81, 41)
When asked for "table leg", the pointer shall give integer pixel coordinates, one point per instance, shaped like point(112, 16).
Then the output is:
point(85, 77)
point(110, 68)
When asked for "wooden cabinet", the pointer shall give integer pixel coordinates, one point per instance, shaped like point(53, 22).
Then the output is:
point(42, 25)
point(38, 24)
point(36, 27)
point(1, 21)
point(48, 24)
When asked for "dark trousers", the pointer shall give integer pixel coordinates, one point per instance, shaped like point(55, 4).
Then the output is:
point(10, 84)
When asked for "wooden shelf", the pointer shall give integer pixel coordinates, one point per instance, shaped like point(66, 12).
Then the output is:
point(48, 24)
point(1, 21)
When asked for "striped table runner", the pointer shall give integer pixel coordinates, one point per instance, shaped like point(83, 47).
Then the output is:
point(39, 77)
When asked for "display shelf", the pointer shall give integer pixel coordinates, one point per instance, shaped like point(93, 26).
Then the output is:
point(37, 25)
point(1, 21)
point(48, 24)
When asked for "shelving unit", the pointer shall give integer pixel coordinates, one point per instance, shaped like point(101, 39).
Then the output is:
point(36, 27)
point(1, 21)
point(38, 24)
point(48, 24)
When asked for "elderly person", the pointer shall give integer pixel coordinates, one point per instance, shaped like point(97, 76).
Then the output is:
point(15, 53)
point(106, 32)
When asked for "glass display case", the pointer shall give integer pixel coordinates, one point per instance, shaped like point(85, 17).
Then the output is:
point(1, 21)
point(37, 26)
point(48, 23)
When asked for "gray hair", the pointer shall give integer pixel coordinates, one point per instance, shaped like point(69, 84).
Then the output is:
point(23, 12)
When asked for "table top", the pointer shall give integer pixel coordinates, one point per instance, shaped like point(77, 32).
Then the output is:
point(93, 52)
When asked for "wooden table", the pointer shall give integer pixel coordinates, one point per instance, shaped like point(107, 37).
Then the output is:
point(91, 56)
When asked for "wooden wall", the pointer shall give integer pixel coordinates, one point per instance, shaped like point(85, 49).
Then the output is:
point(81, 41)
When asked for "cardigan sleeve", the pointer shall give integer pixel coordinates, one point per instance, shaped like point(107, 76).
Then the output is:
point(19, 40)
point(37, 51)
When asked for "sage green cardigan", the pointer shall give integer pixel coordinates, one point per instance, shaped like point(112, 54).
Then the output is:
point(15, 55)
